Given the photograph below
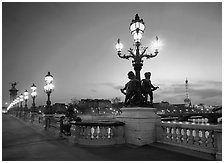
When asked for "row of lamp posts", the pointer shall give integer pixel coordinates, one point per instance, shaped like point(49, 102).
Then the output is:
point(137, 28)
point(48, 89)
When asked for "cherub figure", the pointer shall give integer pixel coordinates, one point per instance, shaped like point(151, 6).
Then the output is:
point(133, 90)
point(148, 88)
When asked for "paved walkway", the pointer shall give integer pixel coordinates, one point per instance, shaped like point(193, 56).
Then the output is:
point(20, 142)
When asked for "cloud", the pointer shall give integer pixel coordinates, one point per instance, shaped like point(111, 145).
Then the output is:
point(113, 85)
point(206, 84)
point(207, 93)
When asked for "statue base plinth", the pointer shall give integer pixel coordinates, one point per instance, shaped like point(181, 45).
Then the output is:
point(140, 125)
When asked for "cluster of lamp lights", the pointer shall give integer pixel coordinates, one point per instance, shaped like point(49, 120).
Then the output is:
point(137, 28)
point(48, 88)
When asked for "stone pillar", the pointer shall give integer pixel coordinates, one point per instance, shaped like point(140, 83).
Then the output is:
point(140, 125)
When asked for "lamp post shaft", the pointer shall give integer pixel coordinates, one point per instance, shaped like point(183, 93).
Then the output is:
point(137, 63)
point(33, 104)
point(25, 103)
point(137, 68)
point(48, 99)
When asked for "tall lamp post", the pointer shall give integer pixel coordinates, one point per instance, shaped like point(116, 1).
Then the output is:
point(21, 105)
point(26, 97)
point(33, 94)
point(21, 100)
point(48, 88)
point(137, 28)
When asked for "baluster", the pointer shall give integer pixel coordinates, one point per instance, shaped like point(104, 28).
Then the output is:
point(81, 131)
point(210, 139)
point(97, 132)
point(112, 131)
point(103, 131)
point(109, 132)
point(203, 139)
point(184, 135)
point(169, 134)
point(87, 132)
point(190, 136)
point(173, 131)
point(100, 132)
point(196, 137)
point(106, 133)
point(92, 132)
point(179, 135)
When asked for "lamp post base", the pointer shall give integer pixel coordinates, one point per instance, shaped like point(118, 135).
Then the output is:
point(140, 125)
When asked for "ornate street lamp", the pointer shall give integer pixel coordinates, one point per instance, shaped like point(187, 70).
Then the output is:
point(137, 28)
point(48, 88)
point(21, 100)
point(26, 97)
point(33, 94)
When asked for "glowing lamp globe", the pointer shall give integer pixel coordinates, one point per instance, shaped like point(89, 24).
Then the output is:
point(156, 44)
point(119, 46)
point(33, 87)
point(21, 98)
point(137, 28)
point(33, 94)
point(48, 78)
point(26, 93)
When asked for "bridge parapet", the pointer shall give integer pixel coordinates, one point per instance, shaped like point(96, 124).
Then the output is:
point(98, 133)
point(204, 138)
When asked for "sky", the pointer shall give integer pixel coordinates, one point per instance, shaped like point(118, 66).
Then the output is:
point(76, 43)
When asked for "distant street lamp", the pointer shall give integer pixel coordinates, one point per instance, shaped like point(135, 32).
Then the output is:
point(48, 88)
point(26, 97)
point(21, 100)
point(137, 28)
point(33, 94)
point(17, 101)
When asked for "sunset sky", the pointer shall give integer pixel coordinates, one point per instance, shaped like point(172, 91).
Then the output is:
point(76, 43)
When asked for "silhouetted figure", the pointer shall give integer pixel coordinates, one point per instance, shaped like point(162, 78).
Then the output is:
point(148, 88)
point(67, 119)
point(133, 91)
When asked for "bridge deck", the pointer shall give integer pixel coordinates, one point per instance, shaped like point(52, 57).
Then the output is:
point(20, 142)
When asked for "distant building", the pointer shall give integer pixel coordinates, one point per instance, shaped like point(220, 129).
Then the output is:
point(94, 105)
point(59, 107)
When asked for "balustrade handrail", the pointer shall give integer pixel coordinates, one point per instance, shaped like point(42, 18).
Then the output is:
point(192, 125)
point(98, 123)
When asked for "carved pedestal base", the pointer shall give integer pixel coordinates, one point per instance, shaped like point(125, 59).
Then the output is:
point(140, 125)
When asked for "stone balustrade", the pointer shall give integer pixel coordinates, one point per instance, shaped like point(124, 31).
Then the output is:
point(199, 137)
point(98, 133)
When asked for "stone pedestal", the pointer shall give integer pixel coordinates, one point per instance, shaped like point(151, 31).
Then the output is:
point(140, 125)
